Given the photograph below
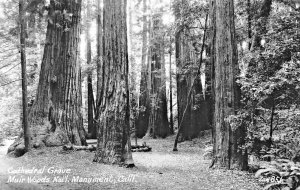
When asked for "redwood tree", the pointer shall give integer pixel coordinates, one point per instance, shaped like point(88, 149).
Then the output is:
point(158, 119)
point(55, 116)
point(144, 99)
point(228, 142)
point(113, 145)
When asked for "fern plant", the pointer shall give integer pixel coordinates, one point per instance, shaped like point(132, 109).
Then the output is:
point(281, 174)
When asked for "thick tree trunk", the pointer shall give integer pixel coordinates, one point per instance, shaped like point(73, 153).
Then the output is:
point(92, 130)
point(26, 129)
point(55, 116)
point(113, 145)
point(227, 150)
point(144, 99)
point(158, 122)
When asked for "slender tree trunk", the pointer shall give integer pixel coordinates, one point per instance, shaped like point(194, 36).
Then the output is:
point(100, 68)
point(194, 118)
point(227, 151)
point(113, 145)
point(183, 85)
point(271, 123)
point(91, 127)
point(171, 88)
point(26, 128)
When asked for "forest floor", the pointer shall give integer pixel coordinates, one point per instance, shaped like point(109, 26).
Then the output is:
point(159, 169)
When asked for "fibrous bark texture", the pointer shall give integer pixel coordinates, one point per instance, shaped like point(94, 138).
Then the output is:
point(228, 142)
point(55, 116)
point(113, 145)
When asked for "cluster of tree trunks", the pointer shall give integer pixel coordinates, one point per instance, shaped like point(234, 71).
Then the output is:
point(55, 117)
point(153, 115)
point(158, 119)
point(192, 107)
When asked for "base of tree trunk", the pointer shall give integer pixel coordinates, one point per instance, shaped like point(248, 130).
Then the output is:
point(41, 137)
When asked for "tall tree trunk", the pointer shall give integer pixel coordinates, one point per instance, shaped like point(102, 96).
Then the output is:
point(55, 116)
point(171, 88)
point(26, 129)
point(113, 145)
point(227, 151)
point(100, 68)
point(92, 130)
point(158, 123)
point(144, 99)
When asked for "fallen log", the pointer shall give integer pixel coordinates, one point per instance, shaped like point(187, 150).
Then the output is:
point(75, 147)
point(134, 148)
point(138, 148)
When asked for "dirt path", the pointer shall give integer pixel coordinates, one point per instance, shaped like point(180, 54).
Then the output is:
point(159, 169)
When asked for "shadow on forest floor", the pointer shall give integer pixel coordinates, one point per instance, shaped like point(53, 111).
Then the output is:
point(160, 169)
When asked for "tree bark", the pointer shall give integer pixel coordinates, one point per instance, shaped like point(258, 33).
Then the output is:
point(55, 116)
point(26, 128)
point(113, 146)
point(228, 142)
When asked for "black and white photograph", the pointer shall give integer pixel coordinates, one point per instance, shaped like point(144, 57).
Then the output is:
point(149, 94)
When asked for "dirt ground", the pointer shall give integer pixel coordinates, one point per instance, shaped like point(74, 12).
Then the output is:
point(160, 169)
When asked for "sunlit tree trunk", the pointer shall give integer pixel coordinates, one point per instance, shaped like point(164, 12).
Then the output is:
point(113, 145)
point(228, 142)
